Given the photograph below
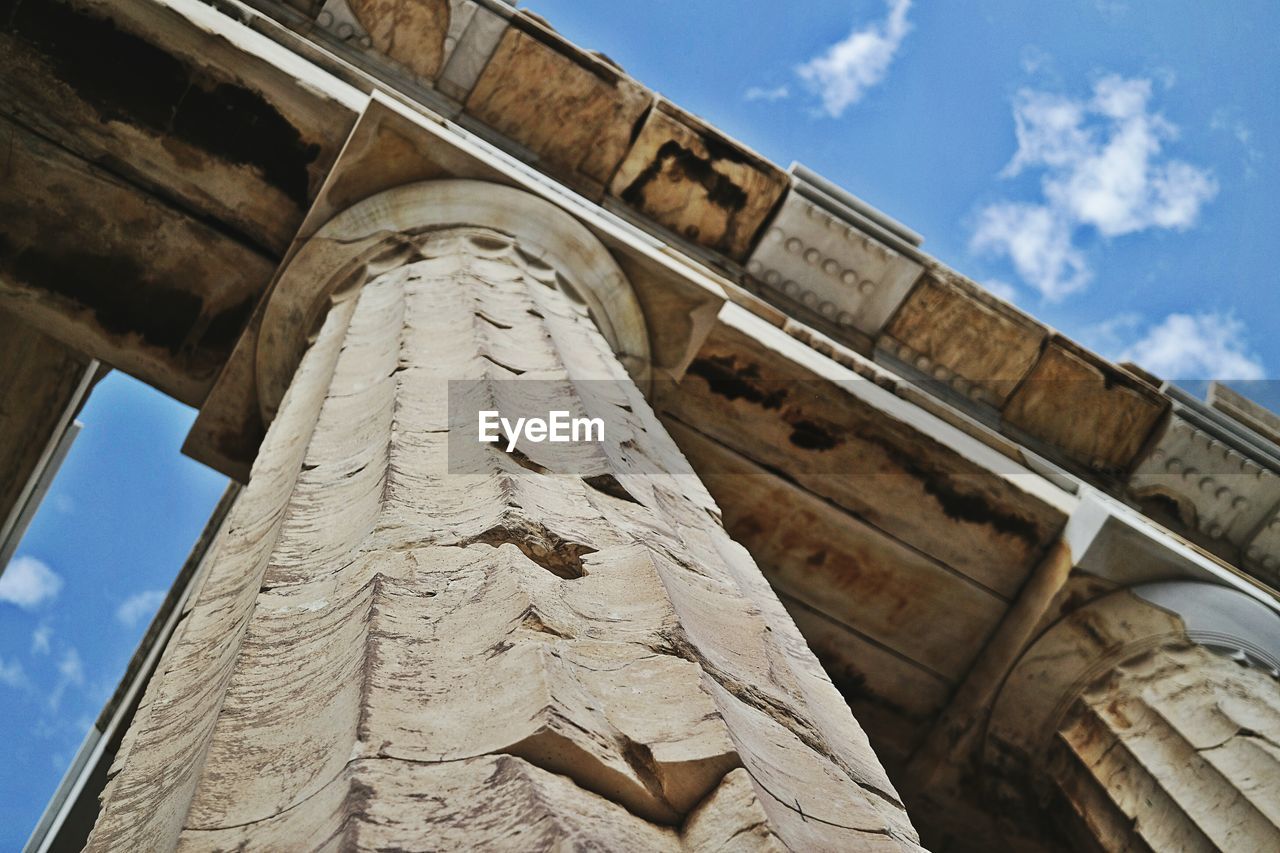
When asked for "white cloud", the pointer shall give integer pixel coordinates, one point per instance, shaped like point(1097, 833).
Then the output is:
point(1035, 59)
point(1196, 346)
point(759, 93)
point(139, 606)
point(40, 638)
point(1103, 168)
point(1038, 242)
point(856, 63)
point(1114, 334)
point(28, 583)
point(11, 674)
point(71, 667)
point(70, 673)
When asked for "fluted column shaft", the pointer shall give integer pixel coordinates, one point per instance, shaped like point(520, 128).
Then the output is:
point(1176, 750)
point(519, 650)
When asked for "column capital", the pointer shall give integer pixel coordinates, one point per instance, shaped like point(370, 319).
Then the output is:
point(386, 229)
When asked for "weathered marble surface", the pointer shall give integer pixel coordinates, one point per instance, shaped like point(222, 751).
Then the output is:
point(1085, 409)
point(116, 273)
point(501, 644)
point(574, 111)
point(1119, 728)
point(412, 34)
point(684, 175)
point(844, 568)
point(757, 395)
point(1178, 749)
point(217, 120)
point(951, 332)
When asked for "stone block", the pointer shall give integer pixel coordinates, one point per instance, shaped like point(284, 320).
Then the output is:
point(1087, 410)
point(1218, 490)
point(686, 176)
point(411, 32)
point(573, 110)
point(444, 42)
point(953, 332)
point(825, 258)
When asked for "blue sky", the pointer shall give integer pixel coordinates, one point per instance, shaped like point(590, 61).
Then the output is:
point(1111, 167)
point(108, 540)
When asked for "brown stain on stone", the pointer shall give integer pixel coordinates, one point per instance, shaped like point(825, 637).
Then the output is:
point(411, 32)
point(957, 503)
point(143, 85)
point(811, 435)
point(687, 177)
point(682, 164)
point(727, 378)
point(117, 290)
point(733, 380)
point(548, 549)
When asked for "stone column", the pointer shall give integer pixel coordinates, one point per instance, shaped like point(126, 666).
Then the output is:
point(1177, 749)
point(532, 650)
point(1148, 719)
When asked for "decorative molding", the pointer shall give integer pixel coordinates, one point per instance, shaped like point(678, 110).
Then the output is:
point(831, 265)
point(1220, 491)
point(1224, 477)
point(337, 19)
point(1262, 553)
point(1225, 620)
point(915, 363)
